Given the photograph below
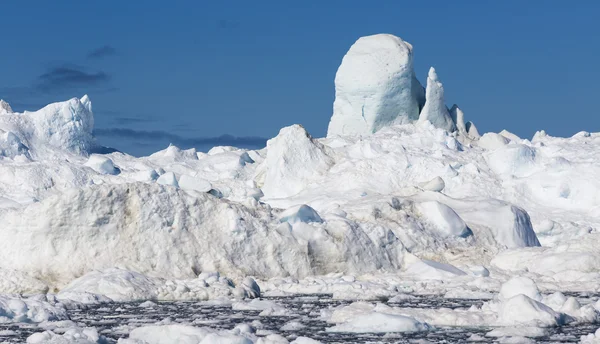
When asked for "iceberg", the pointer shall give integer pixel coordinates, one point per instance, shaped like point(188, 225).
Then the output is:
point(375, 86)
point(403, 198)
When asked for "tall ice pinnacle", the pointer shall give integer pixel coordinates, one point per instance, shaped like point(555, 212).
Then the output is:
point(435, 110)
point(375, 86)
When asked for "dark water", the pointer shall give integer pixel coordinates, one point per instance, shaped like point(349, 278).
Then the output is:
point(115, 320)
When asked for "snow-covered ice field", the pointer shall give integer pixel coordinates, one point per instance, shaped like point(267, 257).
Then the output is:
point(404, 224)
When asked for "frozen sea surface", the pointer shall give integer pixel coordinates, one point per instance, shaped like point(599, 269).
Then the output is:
point(116, 320)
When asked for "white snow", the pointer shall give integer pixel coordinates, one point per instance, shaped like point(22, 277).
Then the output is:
point(190, 183)
point(445, 220)
point(436, 184)
point(524, 311)
point(292, 157)
point(101, 164)
point(492, 141)
point(519, 285)
point(19, 282)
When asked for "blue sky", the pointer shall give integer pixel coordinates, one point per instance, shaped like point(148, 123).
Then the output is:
point(189, 72)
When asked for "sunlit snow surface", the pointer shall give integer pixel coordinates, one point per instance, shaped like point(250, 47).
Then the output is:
point(116, 320)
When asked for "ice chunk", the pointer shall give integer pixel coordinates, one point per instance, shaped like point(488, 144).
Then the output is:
point(519, 285)
point(436, 185)
point(147, 304)
point(374, 322)
point(375, 86)
point(571, 306)
point(458, 117)
point(492, 141)
point(145, 176)
point(509, 224)
point(184, 334)
point(251, 287)
point(116, 284)
point(435, 110)
point(267, 308)
point(305, 340)
point(300, 213)
point(101, 164)
point(592, 338)
point(292, 326)
point(194, 183)
point(443, 218)
point(524, 311)
point(519, 334)
point(516, 159)
point(555, 300)
point(168, 178)
point(17, 309)
point(86, 102)
point(78, 335)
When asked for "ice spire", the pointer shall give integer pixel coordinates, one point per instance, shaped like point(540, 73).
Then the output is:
point(435, 110)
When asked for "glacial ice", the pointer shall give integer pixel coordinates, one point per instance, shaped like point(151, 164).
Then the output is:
point(375, 86)
point(402, 198)
point(63, 127)
point(435, 110)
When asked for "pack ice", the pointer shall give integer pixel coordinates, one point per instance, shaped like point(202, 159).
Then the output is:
point(402, 197)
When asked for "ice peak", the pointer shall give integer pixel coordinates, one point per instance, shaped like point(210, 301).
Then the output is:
point(433, 75)
point(5, 107)
point(435, 110)
point(56, 127)
point(292, 157)
point(86, 102)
